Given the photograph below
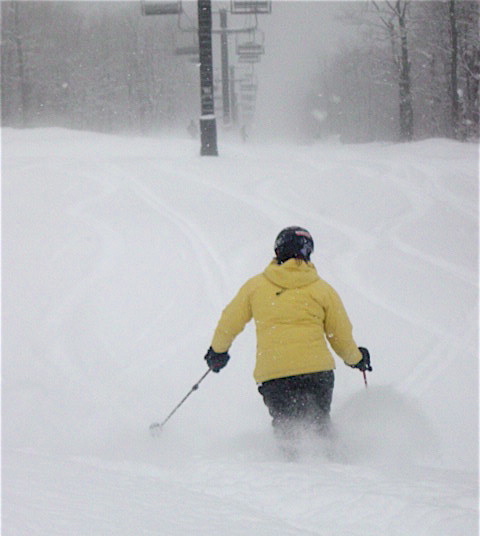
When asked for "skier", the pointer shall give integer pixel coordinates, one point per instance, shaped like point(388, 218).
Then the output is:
point(295, 313)
point(192, 129)
point(243, 133)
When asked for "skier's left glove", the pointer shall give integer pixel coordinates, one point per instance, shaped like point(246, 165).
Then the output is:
point(216, 361)
point(364, 363)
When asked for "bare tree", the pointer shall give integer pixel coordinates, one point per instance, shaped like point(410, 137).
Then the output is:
point(14, 69)
point(468, 68)
point(446, 50)
point(453, 67)
point(91, 65)
point(434, 66)
point(394, 17)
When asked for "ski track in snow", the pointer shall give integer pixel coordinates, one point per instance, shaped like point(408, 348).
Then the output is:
point(111, 244)
point(96, 374)
point(211, 266)
point(268, 498)
point(389, 234)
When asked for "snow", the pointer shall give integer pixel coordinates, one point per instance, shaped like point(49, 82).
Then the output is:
point(119, 254)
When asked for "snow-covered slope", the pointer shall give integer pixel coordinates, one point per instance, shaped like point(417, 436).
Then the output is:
point(118, 256)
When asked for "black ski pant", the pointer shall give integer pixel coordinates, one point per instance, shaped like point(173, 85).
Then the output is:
point(299, 401)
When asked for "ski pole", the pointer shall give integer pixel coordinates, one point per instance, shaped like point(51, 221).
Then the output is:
point(365, 378)
point(156, 427)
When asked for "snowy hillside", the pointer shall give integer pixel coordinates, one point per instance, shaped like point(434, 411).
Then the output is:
point(118, 256)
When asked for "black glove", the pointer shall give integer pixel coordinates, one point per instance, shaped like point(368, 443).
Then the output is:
point(216, 361)
point(364, 363)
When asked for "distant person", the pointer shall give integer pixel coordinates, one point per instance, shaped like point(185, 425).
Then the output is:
point(296, 313)
point(243, 133)
point(192, 129)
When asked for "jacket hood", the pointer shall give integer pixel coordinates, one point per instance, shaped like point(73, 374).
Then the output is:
point(291, 274)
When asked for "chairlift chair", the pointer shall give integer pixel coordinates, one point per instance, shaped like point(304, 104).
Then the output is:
point(253, 44)
point(249, 58)
point(161, 7)
point(186, 45)
point(248, 86)
point(246, 7)
point(190, 50)
point(250, 48)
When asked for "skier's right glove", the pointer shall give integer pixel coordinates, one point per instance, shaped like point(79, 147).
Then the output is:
point(364, 363)
point(216, 361)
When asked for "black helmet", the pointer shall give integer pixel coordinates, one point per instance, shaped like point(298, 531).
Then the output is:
point(293, 243)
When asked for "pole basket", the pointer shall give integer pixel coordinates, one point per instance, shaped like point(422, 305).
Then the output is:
point(161, 7)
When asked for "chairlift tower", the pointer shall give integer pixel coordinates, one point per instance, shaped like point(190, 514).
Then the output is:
point(249, 52)
point(208, 125)
point(224, 53)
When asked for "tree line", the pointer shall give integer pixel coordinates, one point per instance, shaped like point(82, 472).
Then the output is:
point(414, 74)
point(93, 65)
point(101, 66)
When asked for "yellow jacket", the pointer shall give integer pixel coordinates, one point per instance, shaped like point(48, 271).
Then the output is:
point(295, 313)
